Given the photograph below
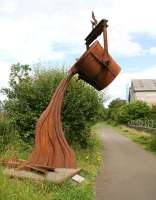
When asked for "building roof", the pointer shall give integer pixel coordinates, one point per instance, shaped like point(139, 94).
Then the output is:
point(144, 84)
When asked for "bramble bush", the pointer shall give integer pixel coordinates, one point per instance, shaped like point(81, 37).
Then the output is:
point(30, 91)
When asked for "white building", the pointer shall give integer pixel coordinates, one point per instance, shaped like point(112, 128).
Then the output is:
point(143, 90)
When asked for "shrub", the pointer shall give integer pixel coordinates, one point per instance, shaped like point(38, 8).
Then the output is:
point(30, 92)
point(6, 131)
point(123, 115)
point(153, 114)
point(138, 110)
point(123, 112)
point(116, 107)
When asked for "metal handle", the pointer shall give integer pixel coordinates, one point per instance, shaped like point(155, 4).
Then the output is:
point(101, 27)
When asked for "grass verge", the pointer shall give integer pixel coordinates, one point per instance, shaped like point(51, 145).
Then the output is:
point(88, 159)
point(145, 139)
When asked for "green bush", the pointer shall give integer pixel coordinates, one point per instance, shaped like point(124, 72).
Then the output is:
point(7, 131)
point(123, 115)
point(29, 93)
point(116, 108)
point(153, 115)
point(138, 110)
point(123, 112)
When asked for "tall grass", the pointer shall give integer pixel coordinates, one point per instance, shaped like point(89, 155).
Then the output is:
point(88, 159)
point(147, 140)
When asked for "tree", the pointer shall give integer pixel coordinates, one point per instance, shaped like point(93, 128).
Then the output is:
point(114, 107)
point(29, 93)
point(117, 103)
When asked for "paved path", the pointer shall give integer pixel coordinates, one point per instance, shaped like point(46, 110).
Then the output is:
point(128, 171)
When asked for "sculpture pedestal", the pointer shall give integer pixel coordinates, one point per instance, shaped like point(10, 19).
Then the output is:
point(58, 176)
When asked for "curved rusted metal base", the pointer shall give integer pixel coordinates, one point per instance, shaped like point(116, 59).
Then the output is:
point(51, 148)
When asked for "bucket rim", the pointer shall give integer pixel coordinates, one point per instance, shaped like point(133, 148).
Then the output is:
point(96, 43)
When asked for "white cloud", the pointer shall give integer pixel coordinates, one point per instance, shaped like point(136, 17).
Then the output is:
point(121, 45)
point(4, 73)
point(8, 7)
point(152, 50)
point(30, 29)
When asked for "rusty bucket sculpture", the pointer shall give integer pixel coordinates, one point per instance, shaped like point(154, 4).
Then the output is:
point(95, 67)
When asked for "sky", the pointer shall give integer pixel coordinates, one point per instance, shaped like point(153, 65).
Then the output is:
point(52, 32)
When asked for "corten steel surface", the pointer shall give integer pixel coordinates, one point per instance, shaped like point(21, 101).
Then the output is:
point(95, 67)
point(93, 70)
point(51, 148)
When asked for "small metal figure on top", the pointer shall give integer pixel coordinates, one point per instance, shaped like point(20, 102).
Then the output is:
point(93, 21)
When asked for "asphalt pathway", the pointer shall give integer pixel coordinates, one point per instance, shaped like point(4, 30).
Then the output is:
point(128, 171)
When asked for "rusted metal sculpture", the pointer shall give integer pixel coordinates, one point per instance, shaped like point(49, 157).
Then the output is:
point(95, 67)
point(51, 148)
